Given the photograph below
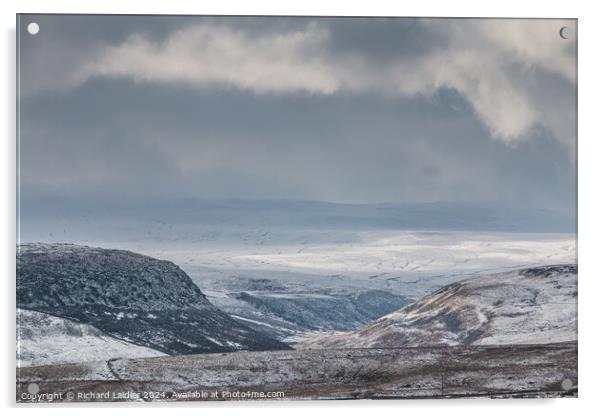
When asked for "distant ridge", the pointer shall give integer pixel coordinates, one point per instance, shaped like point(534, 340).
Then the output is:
point(186, 220)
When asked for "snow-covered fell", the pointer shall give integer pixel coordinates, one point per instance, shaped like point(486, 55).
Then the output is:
point(134, 298)
point(536, 305)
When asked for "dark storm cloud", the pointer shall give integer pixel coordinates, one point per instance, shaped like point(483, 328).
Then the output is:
point(491, 63)
point(384, 39)
point(171, 128)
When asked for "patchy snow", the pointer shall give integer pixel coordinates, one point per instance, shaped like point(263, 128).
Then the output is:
point(251, 321)
point(214, 341)
point(329, 374)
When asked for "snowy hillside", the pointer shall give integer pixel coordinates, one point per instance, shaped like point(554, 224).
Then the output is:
point(131, 297)
point(44, 339)
point(529, 306)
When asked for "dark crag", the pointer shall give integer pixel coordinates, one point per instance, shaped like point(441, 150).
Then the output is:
point(131, 297)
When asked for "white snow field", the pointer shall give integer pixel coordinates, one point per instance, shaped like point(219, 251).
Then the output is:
point(408, 262)
point(44, 339)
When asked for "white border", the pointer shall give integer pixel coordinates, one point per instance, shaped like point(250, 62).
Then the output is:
point(590, 209)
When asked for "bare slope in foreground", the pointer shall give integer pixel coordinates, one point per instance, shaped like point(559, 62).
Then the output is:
point(520, 371)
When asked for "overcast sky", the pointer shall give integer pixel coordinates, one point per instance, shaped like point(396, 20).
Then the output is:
point(332, 109)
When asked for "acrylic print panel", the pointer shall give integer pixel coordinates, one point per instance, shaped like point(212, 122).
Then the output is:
point(281, 208)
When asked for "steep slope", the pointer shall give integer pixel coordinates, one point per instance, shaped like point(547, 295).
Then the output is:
point(131, 297)
point(529, 306)
point(44, 339)
point(302, 312)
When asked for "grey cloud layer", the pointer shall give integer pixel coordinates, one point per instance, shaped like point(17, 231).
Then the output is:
point(343, 110)
point(497, 65)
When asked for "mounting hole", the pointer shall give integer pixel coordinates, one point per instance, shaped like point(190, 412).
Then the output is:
point(33, 28)
point(566, 384)
point(33, 388)
point(565, 32)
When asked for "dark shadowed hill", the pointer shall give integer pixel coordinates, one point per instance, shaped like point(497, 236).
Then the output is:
point(131, 297)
